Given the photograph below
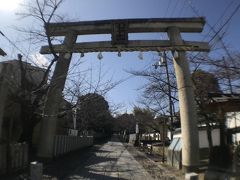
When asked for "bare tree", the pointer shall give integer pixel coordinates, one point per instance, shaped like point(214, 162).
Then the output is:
point(44, 12)
point(156, 93)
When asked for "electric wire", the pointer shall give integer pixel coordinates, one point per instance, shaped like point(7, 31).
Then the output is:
point(168, 6)
point(181, 10)
point(14, 45)
point(226, 22)
point(216, 33)
point(175, 7)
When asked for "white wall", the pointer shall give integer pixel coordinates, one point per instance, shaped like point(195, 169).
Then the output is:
point(203, 140)
point(232, 121)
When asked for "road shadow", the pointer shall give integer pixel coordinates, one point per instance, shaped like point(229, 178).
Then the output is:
point(85, 164)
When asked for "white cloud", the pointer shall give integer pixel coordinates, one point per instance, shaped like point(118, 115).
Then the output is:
point(40, 60)
point(9, 5)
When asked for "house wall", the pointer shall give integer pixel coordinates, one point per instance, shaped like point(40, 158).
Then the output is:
point(203, 140)
point(10, 110)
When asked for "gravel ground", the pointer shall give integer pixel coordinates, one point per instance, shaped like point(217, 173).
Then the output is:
point(153, 165)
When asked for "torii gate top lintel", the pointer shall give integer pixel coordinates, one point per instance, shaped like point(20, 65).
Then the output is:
point(134, 25)
point(120, 29)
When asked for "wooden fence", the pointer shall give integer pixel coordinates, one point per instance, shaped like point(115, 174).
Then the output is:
point(13, 157)
point(66, 144)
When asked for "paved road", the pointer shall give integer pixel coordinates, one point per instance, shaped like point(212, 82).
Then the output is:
point(111, 161)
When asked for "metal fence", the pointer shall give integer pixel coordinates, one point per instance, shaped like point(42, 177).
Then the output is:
point(66, 144)
point(13, 157)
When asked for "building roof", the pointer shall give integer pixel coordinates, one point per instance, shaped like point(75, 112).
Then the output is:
point(26, 64)
point(221, 97)
point(226, 102)
point(2, 53)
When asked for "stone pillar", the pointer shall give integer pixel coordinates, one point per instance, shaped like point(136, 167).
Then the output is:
point(191, 176)
point(189, 129)
point(53, 99)
point(36, 171)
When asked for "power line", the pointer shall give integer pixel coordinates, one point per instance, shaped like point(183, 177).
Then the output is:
point(14, 45)
point(226, 22)
point(175, 7)
point(193, 8)
point(212, 28)
point(224, 12)
point(184, 3)
point(220, 29)
point(169, 2)
point(221, 17)
point(216, 33)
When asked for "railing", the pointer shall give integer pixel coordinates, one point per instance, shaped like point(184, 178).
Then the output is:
point(66, 144)
point(13, 157)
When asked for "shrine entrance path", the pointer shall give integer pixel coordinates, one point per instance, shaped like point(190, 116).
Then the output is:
point(111, 161)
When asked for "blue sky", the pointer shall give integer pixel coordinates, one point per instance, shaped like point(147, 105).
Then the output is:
point(215, 11)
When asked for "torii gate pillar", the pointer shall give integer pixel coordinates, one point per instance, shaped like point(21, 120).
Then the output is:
point(54, 97)
point(189, 129)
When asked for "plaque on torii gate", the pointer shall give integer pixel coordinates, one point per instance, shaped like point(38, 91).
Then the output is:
point(119, 29)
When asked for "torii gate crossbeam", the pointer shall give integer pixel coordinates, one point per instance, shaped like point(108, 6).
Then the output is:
point(119, 29)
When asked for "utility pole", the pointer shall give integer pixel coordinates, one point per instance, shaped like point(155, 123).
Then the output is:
point(164, 140)
point(163, 62)
point(169, 95)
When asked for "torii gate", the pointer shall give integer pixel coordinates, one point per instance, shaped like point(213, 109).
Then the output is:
point(119, 30)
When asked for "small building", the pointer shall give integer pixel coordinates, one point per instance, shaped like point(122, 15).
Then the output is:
point(227, 107)
point(10, 107)
point(203, 140)
point(174, 155)
point(10, 89)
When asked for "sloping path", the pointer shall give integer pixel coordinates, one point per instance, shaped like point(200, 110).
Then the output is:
point(111, 161)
